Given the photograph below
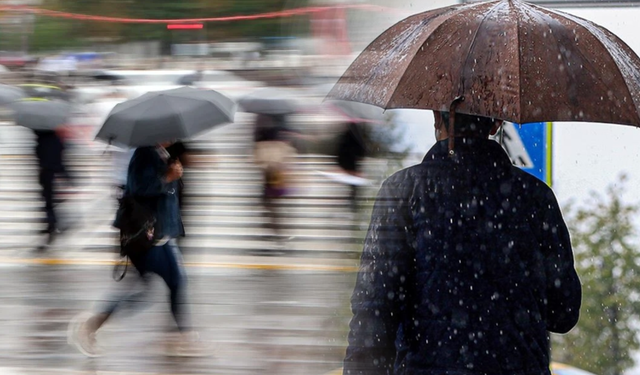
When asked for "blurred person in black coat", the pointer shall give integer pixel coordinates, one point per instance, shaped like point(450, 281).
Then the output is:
point(49, 151)
point(351, 150)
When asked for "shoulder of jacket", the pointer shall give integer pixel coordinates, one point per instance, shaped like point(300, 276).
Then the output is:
point(532, 184)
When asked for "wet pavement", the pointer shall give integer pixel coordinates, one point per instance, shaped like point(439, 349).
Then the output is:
point(258, 315)
point(263, 307)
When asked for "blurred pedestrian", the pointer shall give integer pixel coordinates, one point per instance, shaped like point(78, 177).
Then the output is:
point(351, 150)
point(272, 153)
point(152, 183)
point(466, 266)
point(50, 153)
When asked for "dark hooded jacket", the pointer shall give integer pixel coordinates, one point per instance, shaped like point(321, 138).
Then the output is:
point(145, 182)
point(49, 151)
point(466, 266)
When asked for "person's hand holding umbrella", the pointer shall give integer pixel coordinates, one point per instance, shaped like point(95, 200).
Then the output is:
point(174, 172)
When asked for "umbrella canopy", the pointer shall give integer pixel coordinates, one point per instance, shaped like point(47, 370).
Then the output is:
point(41, 114)
point(269, 101)
point(36, 90)
point(358, 112)
point(167, 115)
point(506, 59)
point(10, 94)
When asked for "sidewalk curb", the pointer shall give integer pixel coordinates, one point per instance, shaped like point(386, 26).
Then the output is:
point(220, 261)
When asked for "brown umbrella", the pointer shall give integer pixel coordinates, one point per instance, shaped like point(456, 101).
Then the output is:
point(505, 59)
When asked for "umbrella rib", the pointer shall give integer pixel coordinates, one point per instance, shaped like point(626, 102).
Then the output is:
point(448, 15)
point(596, 37)
point(142, 116)
point(179, 113)
point(519, 42)
point(471, 46)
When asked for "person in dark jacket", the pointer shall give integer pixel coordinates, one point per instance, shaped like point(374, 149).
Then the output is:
point(466, 267)
point(152, 181)
point(351, 150)
point(49, 151)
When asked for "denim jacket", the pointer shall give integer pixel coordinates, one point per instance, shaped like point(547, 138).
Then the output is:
point(145, 182)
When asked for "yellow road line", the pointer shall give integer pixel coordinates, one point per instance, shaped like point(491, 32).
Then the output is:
point(249, 266)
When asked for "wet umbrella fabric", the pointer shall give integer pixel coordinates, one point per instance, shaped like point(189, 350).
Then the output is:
point(269, 101)
point(508, 59)
point(350, 110)
point(167, 115)
point(10, 94)
point(41, 114)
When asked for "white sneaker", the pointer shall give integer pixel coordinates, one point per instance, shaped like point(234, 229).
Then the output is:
point(82, 337)
point(186, 345)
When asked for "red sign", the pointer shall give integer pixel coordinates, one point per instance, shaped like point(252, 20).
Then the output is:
point(184, 26)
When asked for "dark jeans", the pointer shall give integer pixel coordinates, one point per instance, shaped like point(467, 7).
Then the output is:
point(166, 262)
point(46, 179)
point(353, 198)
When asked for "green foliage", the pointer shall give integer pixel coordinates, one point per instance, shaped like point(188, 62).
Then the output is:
point(605, 242)
point(52, 34)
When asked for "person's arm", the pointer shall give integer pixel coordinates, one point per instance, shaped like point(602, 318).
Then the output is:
point(563, 290)
point(148, 174)
point(385, 270)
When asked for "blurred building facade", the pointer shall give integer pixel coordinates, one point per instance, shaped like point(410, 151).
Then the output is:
point(16, 26)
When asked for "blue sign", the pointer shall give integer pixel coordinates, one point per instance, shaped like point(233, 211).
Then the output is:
point(529, 146)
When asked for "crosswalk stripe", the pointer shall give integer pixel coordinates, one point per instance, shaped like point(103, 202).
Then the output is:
point(223, 265)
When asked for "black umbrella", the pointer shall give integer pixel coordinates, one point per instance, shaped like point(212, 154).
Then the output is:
point(167, 115)
point(41, 114)
point(269, 101)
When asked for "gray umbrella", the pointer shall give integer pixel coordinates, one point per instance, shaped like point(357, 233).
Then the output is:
point(167, 115)
point(41, 114)
point(269, 101)
point(10, 94)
